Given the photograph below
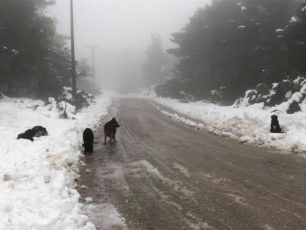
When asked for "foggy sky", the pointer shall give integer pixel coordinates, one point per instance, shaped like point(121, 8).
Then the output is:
point(123, 24)
point(122, 30)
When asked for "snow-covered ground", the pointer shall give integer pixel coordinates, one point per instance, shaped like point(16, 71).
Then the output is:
point(249, 124)
point(37, 188)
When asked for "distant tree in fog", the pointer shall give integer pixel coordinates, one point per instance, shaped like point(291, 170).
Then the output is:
point(155, 61)
point(84, 69)
point(32, 55)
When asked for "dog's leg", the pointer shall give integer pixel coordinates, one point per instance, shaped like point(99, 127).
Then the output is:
point(91, 149)
point(113, 138)
point(85, 149)
point(104, 143)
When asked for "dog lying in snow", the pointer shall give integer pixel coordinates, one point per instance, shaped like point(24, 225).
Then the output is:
point(36, 131)
point(88, 139)
point(110, 129)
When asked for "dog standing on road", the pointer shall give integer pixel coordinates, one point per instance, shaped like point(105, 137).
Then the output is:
point(110, 130)
point(88, 139)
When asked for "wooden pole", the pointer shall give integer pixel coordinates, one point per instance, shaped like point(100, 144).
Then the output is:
point(73, 65)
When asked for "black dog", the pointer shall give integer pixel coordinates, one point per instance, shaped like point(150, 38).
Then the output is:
point(88, 139)
point(275, 128)
point(36, 131)
point(110, 130)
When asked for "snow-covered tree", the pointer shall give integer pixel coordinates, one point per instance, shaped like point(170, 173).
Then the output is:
point(233, 44)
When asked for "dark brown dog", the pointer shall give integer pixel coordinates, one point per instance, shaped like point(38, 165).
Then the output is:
point(36, 131)
point(110, 130)
point(88, 139)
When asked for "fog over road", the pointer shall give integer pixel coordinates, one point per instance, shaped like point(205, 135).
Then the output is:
point(163, 175)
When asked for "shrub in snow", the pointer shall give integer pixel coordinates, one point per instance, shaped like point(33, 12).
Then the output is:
point(2, 96)
point(51, 104)
point(65, 102)
point(279, 91)
point(83, 99)
point(217, 94)
point(185, 98)
point(180, 89)
point(286, 95)
point(262, 89)
point(67, 111)
point(293, 107)
point(170, 89)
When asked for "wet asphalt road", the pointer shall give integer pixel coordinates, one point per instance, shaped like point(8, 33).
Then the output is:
point(163, 175)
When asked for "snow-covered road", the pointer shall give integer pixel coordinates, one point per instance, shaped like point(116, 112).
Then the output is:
point(160, 175)
point(165, 175)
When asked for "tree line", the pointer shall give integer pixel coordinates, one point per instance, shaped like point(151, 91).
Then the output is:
point(34, 58)
point(232, 45)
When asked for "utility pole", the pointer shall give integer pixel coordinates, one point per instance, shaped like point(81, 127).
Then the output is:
point(93, 65)
point(73, 70)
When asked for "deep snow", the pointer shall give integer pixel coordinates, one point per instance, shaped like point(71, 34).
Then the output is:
point(248, 124)
point(37, 188)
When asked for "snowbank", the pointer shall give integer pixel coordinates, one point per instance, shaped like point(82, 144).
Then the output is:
point(248, 124)
point(37, 178)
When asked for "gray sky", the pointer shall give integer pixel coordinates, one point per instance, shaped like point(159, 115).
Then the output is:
point(122, 30)
point(116, 25)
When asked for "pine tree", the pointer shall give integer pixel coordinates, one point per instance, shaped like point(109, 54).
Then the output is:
point(33, 54)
